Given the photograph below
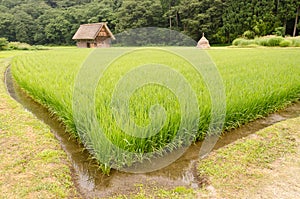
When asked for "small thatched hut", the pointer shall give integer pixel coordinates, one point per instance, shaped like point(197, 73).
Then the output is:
point(96, 35)
point(203, 43)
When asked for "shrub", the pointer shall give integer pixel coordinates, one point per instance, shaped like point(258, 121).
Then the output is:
point(247, 42)
point(285, 43)
point(275, 41)
point(237, 41)
point(3, 43)
point(279, 31)
point(270, 40)
point(249, 34)
point(243, 42)
point(295, 41)
point(19, 46)
point(261, 41)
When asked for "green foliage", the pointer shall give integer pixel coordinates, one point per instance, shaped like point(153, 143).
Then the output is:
point(275, 41)
point(248, 75)
point(249, 34)
point(18, 46)
point(138, 14)
point(237, 41)
point(270, 41)
point(3, 43)
point(280, 31)
point(240, 16)
point(285, 43)
point(261, 27)
point(243, 42)
point(23, 46)
point(55, 21)
point(262, 41)
point(295, 41)
point(23, 27)
point(199, 17)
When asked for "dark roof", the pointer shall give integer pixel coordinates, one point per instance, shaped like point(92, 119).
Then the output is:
point(90, 31)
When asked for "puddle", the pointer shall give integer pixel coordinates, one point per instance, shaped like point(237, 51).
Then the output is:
point(92, 183)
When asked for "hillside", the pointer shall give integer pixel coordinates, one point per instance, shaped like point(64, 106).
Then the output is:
point(55, 21)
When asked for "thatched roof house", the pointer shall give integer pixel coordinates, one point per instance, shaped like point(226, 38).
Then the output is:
point(96, 35)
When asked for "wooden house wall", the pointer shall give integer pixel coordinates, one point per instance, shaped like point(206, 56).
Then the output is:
point(100, 42)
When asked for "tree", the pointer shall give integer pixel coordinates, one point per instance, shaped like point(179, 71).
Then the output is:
point(6, 28)
point(286, 11)
point(58, 31)
point(137, 14)
point(171, 11)
point(23, 27)
point(296, 21)
point(47, 21)
point(201, 16)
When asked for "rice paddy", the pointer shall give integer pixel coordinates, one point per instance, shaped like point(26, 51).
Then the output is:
point(257, 82)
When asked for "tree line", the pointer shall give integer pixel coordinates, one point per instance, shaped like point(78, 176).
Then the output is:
point(56, 21)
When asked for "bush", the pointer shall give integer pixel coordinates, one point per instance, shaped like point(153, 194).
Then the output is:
point(3, 43)
point(285, 43)
point(269, 40)
point(261, 41)
point(19, 46)
point(249, 34)
point(295, 41)
point(275, 41)
point(242, 42)
point(247, 42)
point(280, 31)
point(237, 41)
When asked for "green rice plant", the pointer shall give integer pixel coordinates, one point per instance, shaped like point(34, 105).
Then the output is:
point(257, 82)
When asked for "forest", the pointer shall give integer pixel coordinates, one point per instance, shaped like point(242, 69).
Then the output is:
point(53, 22)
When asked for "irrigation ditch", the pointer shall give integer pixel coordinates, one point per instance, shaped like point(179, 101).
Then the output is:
point(91, 182)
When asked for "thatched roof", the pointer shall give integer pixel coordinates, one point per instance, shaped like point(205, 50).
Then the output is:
point(203, 43)
point(90, 31)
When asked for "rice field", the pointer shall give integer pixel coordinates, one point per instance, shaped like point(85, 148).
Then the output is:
point(256, 81)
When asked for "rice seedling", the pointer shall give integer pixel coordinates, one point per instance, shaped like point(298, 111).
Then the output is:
point(257, 82)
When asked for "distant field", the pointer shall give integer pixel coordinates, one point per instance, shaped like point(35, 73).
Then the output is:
point(257, 82)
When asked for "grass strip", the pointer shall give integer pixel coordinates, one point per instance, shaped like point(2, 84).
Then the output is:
point(32, 163)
